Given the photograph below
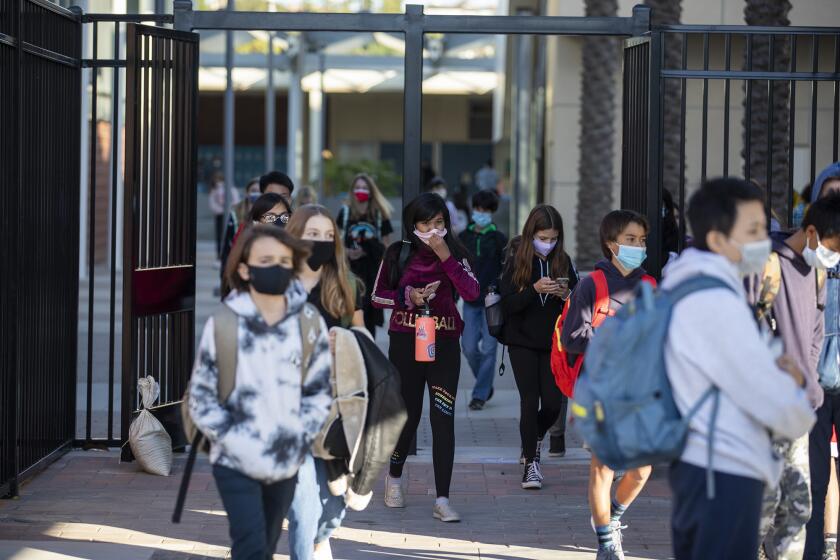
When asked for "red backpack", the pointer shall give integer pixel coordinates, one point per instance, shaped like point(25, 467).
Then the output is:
point(565, 375)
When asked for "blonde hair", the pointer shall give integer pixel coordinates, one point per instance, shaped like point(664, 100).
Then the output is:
point(337, 294)
point(377, 200)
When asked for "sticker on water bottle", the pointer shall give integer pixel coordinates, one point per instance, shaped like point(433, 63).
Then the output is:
point(431, 350)
point(421, 332)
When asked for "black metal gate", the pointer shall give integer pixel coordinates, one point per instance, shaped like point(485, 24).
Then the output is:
point(731, 100)
point(160, 213)
point(40, 51)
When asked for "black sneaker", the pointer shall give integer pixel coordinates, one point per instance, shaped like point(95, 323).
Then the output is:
point(531, 476)
point(476, 404)
point(557, 447)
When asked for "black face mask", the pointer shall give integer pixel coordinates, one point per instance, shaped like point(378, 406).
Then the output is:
point(322, 253)
point(270, 280)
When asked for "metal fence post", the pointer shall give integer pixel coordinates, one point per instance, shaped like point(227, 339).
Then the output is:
point(183, 15)
point(412, 102)
point(653, 202)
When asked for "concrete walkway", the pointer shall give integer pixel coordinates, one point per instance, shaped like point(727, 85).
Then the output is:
point(88, 505)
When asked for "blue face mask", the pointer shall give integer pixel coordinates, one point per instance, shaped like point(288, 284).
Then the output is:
point(254, 196)
point(482, 219)
point(631, 258)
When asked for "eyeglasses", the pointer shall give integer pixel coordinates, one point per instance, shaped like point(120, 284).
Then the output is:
point(270, 218)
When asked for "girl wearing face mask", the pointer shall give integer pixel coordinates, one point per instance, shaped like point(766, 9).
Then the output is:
point(364, 223)
point(269, 209)
point(264, 429)
point(334, 290)
point(427, 269)
point(537, 280)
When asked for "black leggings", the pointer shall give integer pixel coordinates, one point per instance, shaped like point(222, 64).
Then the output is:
point(540, 401)
point(441, 377)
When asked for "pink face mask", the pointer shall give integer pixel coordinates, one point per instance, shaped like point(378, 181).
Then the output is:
point(424, 237)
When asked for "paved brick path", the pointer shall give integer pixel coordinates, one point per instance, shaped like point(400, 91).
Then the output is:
point(88, 505)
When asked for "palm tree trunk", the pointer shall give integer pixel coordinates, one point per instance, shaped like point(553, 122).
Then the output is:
point(668, 12)
point(597, 132)
point(759, 125)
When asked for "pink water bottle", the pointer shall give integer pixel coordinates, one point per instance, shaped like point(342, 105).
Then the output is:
point(424, 336)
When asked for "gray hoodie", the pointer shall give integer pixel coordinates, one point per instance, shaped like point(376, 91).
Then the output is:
point(266, 427)
point(714, 340)
point(799, 316)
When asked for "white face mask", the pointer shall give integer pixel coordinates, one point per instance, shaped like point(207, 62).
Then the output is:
point(821, 258)
point(754, 256)
point(425, 237)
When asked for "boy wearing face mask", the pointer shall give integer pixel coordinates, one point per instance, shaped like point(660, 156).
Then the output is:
point(805, 256)
point(486, 245)
point(623, 243)
point(800, 324)
point(714, 341)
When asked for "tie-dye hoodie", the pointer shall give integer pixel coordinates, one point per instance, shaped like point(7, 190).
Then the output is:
point(266, 427)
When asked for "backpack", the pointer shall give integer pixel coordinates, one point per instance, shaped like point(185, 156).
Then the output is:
point(565, 374)
point(624, 406)
point(226, 340)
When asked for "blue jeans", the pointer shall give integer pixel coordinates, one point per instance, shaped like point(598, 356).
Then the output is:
point(315, 513)
point(255, 512)
point(480, 350)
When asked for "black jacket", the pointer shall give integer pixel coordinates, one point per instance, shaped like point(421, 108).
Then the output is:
point(487, 253)
point(577, 328)
point(530, 318)
point(386, 416)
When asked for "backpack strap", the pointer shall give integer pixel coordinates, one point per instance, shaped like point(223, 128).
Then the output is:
point(696, 284)
point(601, 307)
point(226, 338)
point(821, 277)
point(650, 280)
point(309, 327)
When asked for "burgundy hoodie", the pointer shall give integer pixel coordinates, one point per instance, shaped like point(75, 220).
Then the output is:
point(424, 267)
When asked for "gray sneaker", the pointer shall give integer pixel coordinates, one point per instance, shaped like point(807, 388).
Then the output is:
point(445, 513)
point(610, 553)
point(393, 494)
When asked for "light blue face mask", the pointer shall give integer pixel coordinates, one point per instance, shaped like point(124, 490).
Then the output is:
point(482, 219)
point(630, 257)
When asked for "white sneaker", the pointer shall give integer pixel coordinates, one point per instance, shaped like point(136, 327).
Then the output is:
point(393, 493)
point(323, 552)
point(445, 513)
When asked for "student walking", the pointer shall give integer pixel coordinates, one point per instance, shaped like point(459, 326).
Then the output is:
point(819, 237)
point(714, 341)
point(426, 270)
point(801, 260)
point(623, 244)
point(262, 432)
point(315, 513)
point(537, 280)
point(217, 202)
point(364, 223)
point(486, 245)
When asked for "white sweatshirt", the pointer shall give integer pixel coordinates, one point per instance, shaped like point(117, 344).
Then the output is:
point(266, 427)
point(714, 340)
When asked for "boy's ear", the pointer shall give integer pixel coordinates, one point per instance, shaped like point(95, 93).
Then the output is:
point(716, 242)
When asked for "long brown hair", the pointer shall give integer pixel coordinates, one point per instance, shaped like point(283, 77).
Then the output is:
point(541, 217)
point(242, 251)
point(337, 295)
point(377, 200)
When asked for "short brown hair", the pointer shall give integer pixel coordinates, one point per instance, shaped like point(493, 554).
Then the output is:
point(242, 250)
point(614, 223)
